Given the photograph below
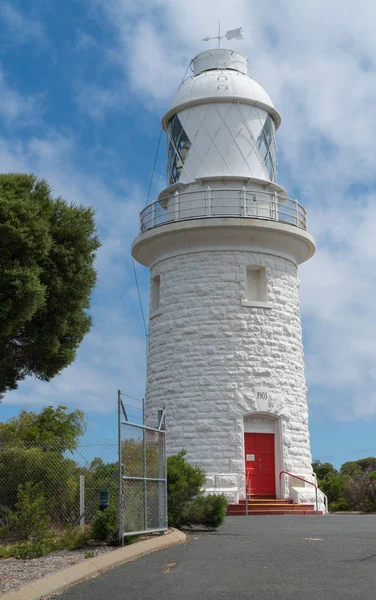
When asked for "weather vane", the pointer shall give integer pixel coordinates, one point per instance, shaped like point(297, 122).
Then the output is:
point(232, 34)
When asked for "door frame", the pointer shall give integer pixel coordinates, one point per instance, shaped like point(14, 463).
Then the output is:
point(262, 422)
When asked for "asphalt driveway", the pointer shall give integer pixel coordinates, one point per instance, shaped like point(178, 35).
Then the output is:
point(260, 557)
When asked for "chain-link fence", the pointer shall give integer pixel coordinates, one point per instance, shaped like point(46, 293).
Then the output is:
point(72, 483)
point(143, 498)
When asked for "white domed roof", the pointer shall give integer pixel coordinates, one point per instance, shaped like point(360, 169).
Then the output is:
point(220, 84)
point(220, 58)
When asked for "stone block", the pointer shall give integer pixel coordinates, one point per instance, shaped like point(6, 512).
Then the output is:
point(231, 497)
point(209, 481)
point(237, 465)
point(235, 439)
point(226, 481)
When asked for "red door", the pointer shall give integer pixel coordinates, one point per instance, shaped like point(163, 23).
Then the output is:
point(259, 463)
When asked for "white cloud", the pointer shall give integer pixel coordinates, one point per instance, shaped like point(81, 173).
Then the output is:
point(17, 109)
point(84, 41)
point(21, 27)
point(97, 101)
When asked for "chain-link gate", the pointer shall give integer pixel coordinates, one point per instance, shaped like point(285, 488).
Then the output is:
point(142, 476)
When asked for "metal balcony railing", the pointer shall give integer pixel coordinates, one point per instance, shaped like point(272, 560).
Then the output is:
point(212, 203)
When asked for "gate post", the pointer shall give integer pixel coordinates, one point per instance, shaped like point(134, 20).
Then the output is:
point(82, 501)
point(120, 478)
point(145, 472)
point(162, 474)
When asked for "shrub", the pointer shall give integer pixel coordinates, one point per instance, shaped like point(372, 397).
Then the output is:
point(28, 550)
point(186, 503)
point(340, 504)
point(105, 525)
point(29, 518)
point(184, 483)
point(4, 551)
point(73, 538)
point(209, 511)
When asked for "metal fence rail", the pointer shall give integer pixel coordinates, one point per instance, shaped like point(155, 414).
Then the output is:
point(211, 203)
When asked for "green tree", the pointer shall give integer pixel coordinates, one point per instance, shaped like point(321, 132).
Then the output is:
point(353, 487)
point(51, 428)
point(330, 481)
point(351, 468)
point(47, 252)
point(360, 486)
point(356, 467)
point(322, 469)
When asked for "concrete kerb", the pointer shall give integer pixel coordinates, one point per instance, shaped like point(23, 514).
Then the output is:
point(61, 579)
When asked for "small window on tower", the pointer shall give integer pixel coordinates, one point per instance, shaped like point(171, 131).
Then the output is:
point(155, 293)
point(256, 284)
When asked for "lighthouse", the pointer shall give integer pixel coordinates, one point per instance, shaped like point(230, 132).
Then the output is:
point(223, 243)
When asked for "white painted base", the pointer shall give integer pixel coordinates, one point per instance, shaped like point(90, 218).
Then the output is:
point(231, 485)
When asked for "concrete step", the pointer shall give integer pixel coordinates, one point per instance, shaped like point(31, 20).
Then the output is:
point(274, 512)
point(260, 497)
point(267, 506)
point(266, 501)
point(270, 509)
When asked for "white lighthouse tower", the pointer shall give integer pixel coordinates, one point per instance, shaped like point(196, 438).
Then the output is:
point(223, 243)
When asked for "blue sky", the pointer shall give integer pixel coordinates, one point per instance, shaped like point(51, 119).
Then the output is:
point(84, 85)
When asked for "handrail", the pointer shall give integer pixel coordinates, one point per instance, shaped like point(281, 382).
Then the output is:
point(306, 481)
point(247, 489)
point(325, 502)
point(223, 202)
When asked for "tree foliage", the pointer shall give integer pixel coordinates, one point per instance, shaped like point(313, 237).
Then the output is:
point(33, 447)
point(52, 428)
point(47, 251)
point(353, 487)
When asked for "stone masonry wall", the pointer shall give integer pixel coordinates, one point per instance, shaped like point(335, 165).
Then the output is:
point(207, 352)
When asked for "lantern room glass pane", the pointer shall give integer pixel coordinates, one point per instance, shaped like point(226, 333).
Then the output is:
point(267, 147)
point(178, 147)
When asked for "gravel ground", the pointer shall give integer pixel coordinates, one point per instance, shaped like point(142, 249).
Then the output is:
point(14, 572)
